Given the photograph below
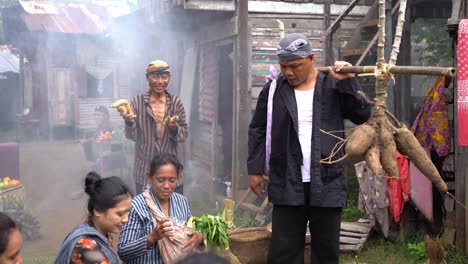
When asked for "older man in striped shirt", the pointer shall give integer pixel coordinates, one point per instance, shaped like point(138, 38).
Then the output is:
point(159, 123)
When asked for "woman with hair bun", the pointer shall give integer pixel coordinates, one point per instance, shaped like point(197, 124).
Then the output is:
point(11, 241)
point(108, 207)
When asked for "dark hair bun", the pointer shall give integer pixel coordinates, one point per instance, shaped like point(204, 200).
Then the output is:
point(91, 181)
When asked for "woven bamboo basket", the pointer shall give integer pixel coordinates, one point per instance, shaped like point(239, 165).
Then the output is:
point(250, 245)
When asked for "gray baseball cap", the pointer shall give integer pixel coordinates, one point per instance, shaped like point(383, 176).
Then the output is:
point(293, 46)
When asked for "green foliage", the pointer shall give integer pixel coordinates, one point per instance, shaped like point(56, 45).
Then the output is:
point(215, 230)
point(433, 41)
point(453, 257)
point(379, 250)
point(351, 213)
point(417, 251)
point(128, 146)
point(39, 260)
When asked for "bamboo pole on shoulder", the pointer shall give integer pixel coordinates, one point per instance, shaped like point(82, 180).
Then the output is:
point(408, 70)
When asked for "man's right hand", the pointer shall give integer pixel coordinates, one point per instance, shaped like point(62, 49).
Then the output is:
point(129, 118)
point(256, 183)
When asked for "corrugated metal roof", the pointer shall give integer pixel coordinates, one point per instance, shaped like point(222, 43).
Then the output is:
point(9, 62)
point(71, 18)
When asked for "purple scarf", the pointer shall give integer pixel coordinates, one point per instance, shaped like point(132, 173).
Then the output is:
point(273, 76)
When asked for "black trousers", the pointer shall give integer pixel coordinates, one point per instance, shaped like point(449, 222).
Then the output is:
point(139, 188)
point(289, 229)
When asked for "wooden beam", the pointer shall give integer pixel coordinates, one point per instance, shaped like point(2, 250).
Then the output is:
point(220, 30)
point(331, 29)
point(369, 23)
point(356, 228)
point(374, 39)
point(242, 96)
point(350, 52)
point(327, 42)
point(210, 5)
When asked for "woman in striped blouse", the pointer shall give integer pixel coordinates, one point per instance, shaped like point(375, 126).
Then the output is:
point(138, 241)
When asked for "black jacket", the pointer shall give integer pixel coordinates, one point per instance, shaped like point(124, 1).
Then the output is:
point(333, 101)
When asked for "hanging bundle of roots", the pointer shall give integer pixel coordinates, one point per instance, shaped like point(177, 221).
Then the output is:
point(377, 141)
point(435, 251)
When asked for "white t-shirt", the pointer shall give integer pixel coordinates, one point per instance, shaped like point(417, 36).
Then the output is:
point(305, 101)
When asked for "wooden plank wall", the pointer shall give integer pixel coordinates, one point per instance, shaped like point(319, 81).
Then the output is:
point(266, 34)
point(201, 143)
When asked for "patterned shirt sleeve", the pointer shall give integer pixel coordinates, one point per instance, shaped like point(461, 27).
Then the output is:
point(180, 134)
point(88, 251)
point(130, 129)
point(132, 241)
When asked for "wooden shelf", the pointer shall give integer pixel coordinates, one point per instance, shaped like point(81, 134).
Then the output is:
point(351, 52)
point(369, 23)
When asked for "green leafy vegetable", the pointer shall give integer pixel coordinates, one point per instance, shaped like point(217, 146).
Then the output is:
point(215, 230)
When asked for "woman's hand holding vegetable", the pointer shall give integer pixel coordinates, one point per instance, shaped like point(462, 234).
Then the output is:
point(196, 239)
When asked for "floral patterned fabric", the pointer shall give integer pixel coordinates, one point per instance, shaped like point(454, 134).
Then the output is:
point(88, 251)
point(431, 126)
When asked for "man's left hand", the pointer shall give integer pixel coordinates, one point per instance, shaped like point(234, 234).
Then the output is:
point(335, 71)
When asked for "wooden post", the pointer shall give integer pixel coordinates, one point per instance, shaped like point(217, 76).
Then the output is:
point(328, 52)
point(242, 94)
point(327, 41)
point(388, 50)
point(402, 95)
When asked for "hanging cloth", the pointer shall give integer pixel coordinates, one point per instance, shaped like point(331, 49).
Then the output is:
point(431, 126)
point(462, 89)
point(399, 190)
point(373, 199)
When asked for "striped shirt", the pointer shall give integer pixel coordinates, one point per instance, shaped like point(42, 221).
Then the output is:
point(132, 247)
point(147, 143)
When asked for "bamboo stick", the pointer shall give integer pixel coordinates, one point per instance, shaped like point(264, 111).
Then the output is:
point(381, 74)
point(408, 70)
point(398, 33)
point(381, 43)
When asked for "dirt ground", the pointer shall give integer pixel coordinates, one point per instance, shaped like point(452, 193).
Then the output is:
point(50, 173)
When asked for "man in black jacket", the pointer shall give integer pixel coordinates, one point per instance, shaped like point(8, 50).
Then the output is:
point(302, 189)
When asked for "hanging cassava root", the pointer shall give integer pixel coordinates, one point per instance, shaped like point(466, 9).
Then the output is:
point(409, 146)
point(379, 138)
point(387, 148)
point(379, 143)
point(360, 140)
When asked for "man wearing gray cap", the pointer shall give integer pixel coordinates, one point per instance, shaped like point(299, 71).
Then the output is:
point(286, 142)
